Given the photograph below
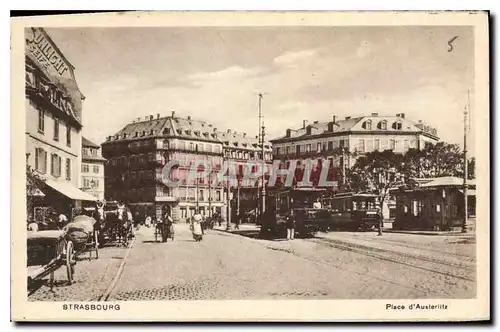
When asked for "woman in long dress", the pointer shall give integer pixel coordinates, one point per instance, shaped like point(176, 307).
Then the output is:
point(196, 226)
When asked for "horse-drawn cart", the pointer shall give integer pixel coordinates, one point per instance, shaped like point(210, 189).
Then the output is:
point(47, 252)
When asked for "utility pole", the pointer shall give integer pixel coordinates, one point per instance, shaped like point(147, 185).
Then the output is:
point(262, 140)
point(210, 192)
point(464, 225)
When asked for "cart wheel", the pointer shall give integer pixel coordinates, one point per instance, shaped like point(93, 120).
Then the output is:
point(70, 270)
point(96, 239)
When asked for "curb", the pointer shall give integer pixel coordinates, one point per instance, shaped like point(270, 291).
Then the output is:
point(430, 233)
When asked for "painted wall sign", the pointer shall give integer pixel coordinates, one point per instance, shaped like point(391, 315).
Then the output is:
point(42, 51)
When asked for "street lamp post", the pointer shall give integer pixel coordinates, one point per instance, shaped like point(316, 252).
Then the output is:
point(464, 225)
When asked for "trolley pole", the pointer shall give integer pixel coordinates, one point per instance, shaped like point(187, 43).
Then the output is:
point(464, 225)
point(262, 140)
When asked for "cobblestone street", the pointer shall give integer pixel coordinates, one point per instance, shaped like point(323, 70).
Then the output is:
point(229, 266)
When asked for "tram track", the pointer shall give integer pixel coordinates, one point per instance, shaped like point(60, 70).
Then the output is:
point(405, 245)
point(438, 266)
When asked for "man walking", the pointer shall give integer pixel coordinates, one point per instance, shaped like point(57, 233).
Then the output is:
point(290, 226)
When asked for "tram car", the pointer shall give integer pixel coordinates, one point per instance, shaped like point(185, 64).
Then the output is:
point(308, 220)
point(350, 211)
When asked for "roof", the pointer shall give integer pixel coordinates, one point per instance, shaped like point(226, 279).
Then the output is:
point(186, 128)
point(447, 181)
point(88, 143)
point(350, 124)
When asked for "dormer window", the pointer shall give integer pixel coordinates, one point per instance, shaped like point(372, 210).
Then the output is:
point(166, 131)
point(367, 125)
point(143, 133)
point(188, 132)
point(179, 131)
point(308, 130)
point(288, 132)
point(382, 125)
point(397, 125)
point(330, 126)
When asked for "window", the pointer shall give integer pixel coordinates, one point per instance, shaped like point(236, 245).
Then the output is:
point(95, 168)
point(68, 169)
point(361, 145)
point(246, 155)
point(199, 147)
point(297, 150)
point(56, 129)
point(191, 146)
point(392, 145)
point(183, 213)
point(85, 168)
point(406, 145)
point(288, 150)
point(201, 195)
point(413, 144)
point(397, 125)
point(369, 145)
point(318, 147)
point(308, 148)
point(55, 165)
point(240, 155)
point(438, 208)
point(151, 157)
point(68, 135)
point(382, 125)
point(384, 145)
point(41, 160)
point(377, 144)
point(278, 151)
point(132, 175)
point(217, 196)
point(41, 121)
point(368, 125)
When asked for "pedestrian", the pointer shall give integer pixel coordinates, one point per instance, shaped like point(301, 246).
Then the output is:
point(147, 222)
point(32, 226)
point(290, 226)
point(317, 204)
point(62, 220)
point(198, 218)
point(237, 221)
point(168, 225)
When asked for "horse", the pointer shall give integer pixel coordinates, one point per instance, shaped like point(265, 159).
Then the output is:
point(124, 224)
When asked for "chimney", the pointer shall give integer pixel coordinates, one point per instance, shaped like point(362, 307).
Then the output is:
point(304, 122)
point(136, 133)
point(334, 119)
point(244, 134)
point(229, 131)
point(288, 132)
point(402, 115)
point(138, 119)
point(374, 114)
point(347, 117)
point(151, 117)
point(143, 133)
point(124, 135)
point(152, 132)
point(189, 117)
point(215, 129)
point(108, 138)
point(157, 115)
point(315, 122)
point(173, 114)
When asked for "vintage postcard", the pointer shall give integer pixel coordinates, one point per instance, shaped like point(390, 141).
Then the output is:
point(251, 166)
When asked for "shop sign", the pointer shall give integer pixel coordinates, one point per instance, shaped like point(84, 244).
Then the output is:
point(42, 51)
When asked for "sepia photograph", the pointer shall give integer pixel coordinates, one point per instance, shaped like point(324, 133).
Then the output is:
point(251, 166)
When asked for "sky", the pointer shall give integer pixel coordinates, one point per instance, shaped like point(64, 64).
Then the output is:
point(215, 74)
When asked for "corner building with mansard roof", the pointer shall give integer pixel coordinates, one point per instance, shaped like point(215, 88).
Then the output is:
point(54, 115)
point(354, 136)
point(138, 153)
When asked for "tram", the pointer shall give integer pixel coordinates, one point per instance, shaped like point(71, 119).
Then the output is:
point(350, 211)
point(309, 220)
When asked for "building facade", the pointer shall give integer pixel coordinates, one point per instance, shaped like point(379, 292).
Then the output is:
point(248, 156)
point(53, 122)
point(137, 156)
point(92, 172)
point(342, 141)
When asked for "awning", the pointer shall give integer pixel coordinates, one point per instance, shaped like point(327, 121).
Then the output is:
point(170, 199)
point(35, 192)
point(69, 190)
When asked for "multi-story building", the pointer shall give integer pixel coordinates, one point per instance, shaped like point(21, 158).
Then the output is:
point(53, 123)
point(92, 172)
point(343, 140)
point(246, 153)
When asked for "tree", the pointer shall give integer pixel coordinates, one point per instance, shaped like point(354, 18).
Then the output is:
point(377, 173)
point(435, 160)
point(33, 184)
